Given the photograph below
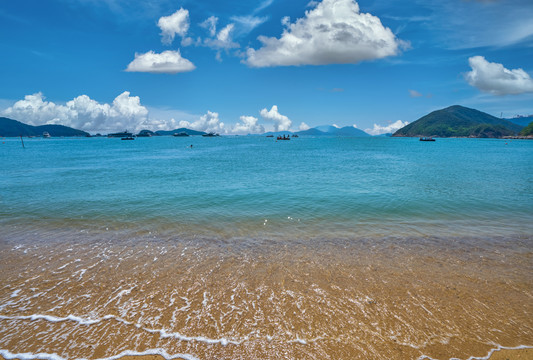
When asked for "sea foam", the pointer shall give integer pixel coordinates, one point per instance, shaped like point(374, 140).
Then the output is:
point(487, 357)
point(8, 355)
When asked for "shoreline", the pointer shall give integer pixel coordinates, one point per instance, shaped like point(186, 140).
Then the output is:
point(521, 353)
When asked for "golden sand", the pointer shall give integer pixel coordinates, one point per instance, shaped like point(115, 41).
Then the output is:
point(519, 354)
point(222, 300)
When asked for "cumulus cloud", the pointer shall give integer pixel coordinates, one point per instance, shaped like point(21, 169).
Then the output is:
point(334, 32)
point(281, 122)
point(248, 125)
point(303, 126)
point(494, 78)
point(209, 122)
point(391, 128)
point(172, 25)
point(126, 112)
point(167, 62)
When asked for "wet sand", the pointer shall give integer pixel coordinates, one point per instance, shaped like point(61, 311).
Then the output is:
point(102, 294)
point(520, 354)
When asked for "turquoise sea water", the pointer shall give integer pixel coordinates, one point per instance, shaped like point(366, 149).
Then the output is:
point(255, 185)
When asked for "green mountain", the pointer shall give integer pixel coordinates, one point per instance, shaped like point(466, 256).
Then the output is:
point(459, 121)
point(9, 127)
point(528, 130)
point(177, 131)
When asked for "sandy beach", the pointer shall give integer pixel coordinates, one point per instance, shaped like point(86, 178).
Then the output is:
point(336, 299)
point(504, 354)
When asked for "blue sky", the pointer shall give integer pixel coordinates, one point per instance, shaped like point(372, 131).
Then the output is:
point(254, 66)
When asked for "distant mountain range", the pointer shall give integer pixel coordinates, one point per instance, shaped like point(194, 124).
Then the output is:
point(326, 130)
point(454, 121)
point(521, 120)
point(180, 130)
point(9, 127)
point(459, 121)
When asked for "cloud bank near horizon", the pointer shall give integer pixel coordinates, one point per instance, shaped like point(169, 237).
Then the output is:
point(126, 112)
point(388, 129)
point(82, 112)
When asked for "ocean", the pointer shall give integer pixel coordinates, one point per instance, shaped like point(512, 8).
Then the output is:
point(244, 247)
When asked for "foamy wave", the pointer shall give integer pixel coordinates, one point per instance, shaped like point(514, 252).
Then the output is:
point(8, 355)
point(163, 333)
point(492, 351)
point(52, 318)
point(301, 341)
point(221, 341)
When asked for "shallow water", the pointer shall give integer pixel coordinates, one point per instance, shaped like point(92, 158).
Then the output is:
point(242, 247)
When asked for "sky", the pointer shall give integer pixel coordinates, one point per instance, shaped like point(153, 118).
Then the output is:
point(239, 67)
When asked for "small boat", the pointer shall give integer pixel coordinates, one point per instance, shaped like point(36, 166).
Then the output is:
point(210, 135)
point(180, 134)
point(128, 138)
point(270, 136)
point(427, 139)
point(284, 137)
point(295, 135)
point(46, 134)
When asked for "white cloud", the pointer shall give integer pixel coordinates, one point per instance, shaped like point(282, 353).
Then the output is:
point(168, 62)
point(263, 5)
point(223, 39)
point(303, 126)
point(494, 78)
point(84, 113)
point(391, 128)
point(210, 24)
point(208, 123)
point(334, 32)
point(248, 125)
point(281, 122)
point(175, 24)
point(248, 23)
point(224, 35)
point(414, 94)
